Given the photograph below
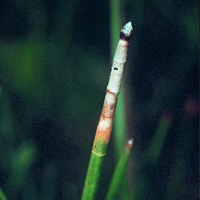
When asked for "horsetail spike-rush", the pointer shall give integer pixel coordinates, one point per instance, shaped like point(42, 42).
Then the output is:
point(104, 127)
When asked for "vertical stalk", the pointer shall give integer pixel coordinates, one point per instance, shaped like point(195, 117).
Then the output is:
point(153, 153)
point(104, 127)
point(119, 125)
point(120, 170)
point(115, 24)
point(158, 139)
point(2, 195)
point(120, 118)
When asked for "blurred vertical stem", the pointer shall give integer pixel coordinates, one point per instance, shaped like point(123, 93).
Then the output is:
point(158, 139)
point(153, 153)
point(2, 195)
point(119, 121)
point(181, 165)
point(120, 170)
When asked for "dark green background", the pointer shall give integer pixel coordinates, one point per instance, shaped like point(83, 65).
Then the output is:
point(54, 68)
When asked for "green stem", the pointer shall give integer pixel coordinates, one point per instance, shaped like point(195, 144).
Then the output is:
point(2, 195)
point(92, 178)
point(119, 121)
point(115, 24)
point(104, 127)
point(120, 171)
point(153, 153)
point(158, 139)
point(119, 125)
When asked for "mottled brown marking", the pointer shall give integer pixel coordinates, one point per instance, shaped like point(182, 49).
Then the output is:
point(107, 116)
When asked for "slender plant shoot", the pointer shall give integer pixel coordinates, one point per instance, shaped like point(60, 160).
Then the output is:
point(104, 127)
point(120, 170)
point(2, 195)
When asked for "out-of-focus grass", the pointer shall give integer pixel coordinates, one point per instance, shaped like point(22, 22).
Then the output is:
point(2, 195)
point(120, 171)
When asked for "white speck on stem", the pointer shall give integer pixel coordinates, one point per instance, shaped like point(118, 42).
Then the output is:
point(130, 142)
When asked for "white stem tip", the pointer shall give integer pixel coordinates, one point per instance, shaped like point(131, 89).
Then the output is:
point(127, 29)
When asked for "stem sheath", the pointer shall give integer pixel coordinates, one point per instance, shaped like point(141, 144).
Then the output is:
point(104, 127)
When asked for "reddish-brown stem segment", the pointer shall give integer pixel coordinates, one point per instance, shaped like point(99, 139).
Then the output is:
point(106, 119)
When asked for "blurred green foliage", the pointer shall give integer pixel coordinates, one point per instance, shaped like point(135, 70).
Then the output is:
point(54, 68)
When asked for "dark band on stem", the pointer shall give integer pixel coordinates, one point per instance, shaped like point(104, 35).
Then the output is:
point(124, 37)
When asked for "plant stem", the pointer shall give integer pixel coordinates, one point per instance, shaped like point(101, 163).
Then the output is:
point(153, 153)
point(104, 127)
point(120, 170)
point(158, 139)
point(2, 195)
point(119, 121)
point(120, 118)
point(115, 24)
